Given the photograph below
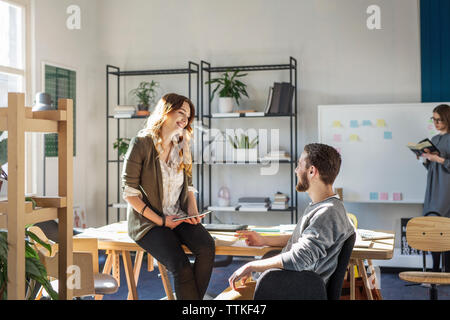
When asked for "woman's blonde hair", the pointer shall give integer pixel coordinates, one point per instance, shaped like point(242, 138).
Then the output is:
point(167, 104)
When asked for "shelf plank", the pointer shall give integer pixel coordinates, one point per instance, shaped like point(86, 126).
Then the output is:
point(54, 115)
point(41, 125)
point(4, 207)
point(52, 202)
point(40, 215)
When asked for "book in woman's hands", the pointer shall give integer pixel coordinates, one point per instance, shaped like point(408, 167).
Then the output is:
point(419, 148)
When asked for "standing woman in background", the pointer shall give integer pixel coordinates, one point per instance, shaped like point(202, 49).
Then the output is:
point(157, 184)
point(437, 194)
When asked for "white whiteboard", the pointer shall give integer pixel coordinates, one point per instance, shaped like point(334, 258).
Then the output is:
point(378, 164)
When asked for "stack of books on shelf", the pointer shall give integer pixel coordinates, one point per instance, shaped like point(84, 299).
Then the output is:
point(124, 111)
point(278, 155)
point(280, 201)
point(254, 204)
point(280, 98)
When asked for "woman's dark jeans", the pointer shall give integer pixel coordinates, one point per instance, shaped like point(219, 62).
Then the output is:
point(164, 245)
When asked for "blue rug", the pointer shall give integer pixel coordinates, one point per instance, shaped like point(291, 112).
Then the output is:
point(150, 285)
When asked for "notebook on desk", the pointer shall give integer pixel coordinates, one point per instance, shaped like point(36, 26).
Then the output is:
point(225, 227)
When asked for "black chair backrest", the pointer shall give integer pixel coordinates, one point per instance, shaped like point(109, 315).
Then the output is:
point(334, 287)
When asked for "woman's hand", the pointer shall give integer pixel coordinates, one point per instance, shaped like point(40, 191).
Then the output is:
point(432, 156)
point(194, 220)
point(172, 224)
point(252, 238)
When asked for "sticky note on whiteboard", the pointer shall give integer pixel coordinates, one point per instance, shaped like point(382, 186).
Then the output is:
point(384, 196)
point(381, 123)
point(337, 138)
point(388, 135)
point(367, 123)
point(353, 123)
point(354, 137)
point(337, 124)
point(397, 196)
point(373, 196)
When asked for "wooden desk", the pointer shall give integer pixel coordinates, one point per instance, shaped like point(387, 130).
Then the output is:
point(114, 239)
point(378, 250)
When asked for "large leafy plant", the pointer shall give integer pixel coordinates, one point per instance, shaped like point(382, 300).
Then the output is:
point(146, 92)
point(35, 273)
point(229, 86)
point(121, 144)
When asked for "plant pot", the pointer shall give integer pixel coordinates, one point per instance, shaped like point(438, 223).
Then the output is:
point(225, 104)
point(143, 107)
point(245, 155)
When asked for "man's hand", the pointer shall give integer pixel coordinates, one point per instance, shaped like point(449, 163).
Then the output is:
point(252, 238)
point(242, 273)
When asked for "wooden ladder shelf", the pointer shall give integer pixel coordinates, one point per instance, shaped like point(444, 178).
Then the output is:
point(15, 212)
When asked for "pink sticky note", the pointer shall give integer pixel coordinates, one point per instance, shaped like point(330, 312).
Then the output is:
point(337, 138)
point(384, 196)
point(397, 196)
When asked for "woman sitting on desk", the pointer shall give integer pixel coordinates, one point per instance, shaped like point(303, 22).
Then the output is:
point(437, 194)
point(157, 184)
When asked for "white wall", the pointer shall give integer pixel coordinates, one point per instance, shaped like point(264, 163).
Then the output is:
point(74, 49)
point(340, 61)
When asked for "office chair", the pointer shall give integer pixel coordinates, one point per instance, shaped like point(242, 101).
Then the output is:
point(277, 284)
point(428, 234)
point(85, 256)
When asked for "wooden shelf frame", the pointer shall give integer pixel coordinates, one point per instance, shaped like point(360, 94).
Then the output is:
point(16, 213)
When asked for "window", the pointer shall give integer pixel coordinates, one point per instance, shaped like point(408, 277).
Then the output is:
point(12, 49)
point(15, 66)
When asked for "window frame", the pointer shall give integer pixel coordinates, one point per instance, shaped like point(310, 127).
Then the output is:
point(27, 73)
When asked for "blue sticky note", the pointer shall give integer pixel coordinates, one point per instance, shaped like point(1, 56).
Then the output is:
point(388, 135)
point(353, 123)
point(374, 196)
point(367, 123)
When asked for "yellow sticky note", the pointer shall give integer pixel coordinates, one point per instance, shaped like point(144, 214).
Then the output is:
point(381, 123)
point(354, 137)
point(337, 124)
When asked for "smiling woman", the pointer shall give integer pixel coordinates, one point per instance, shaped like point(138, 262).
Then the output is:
point(157, 184)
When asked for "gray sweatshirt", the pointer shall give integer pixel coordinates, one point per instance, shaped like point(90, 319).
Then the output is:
point(318, 238)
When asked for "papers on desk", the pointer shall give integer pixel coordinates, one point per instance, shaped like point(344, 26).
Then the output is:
point(227, 239)
point(115, 232)
point(364, 238)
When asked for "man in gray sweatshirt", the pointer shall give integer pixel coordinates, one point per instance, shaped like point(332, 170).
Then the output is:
point(320, 234)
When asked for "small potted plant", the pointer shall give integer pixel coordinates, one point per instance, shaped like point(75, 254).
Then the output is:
point(146, 96)
point(230, 87)
point(121, 144)
point(244, 149)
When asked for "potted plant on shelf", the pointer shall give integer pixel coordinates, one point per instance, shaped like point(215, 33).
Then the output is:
point(230, 87)
point(121, 145)
point(146, 95)
point(244, 149)
point(35, 273)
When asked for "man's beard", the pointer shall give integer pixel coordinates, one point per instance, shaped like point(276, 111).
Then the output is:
point(303, 183)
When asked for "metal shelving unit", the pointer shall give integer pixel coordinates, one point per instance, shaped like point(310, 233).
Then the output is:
point(190, 71)
point(291, 67)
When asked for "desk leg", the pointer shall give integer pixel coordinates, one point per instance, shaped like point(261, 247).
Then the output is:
point(116, 265)
point(136, 269)
point(166, 281)
point(130, 276)
point(351, 271)
point(367, 286)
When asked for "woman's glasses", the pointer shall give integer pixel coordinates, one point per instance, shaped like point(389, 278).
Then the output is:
point(436, 120)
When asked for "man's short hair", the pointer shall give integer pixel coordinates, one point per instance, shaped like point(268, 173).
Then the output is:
point(326, 159)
